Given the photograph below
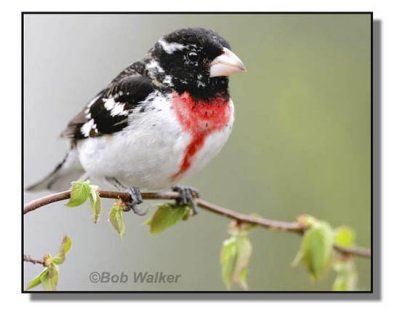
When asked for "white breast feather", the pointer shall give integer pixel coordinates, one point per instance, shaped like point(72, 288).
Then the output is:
point(148, 152)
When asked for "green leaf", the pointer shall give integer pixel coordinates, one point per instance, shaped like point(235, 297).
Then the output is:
point(346, 279)
point(317, 248)
point(345, 282)
point(64, 248)
point(235, 256)
point(95, 202)
point(49, 276)
point(344, 236)
point(228, 260)
point(242, 261)
point(167, 215)
point(49, 279)
point(80, 192)
point(116, 217)
point(38, 279)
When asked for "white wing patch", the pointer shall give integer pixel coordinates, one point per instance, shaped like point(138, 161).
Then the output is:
point(119, 109)
point(88, 127)
point(109, 103)
point(171, 47)
point(115, 108)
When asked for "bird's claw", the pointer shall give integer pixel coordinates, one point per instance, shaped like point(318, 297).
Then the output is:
point(136, 199)
point(187, 196)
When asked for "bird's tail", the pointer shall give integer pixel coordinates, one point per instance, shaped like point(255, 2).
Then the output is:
point(61, 177)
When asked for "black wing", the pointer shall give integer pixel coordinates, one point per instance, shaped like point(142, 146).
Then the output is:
point(108, 112)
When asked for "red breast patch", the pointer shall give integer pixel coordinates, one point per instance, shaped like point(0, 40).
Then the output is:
point(200, 118)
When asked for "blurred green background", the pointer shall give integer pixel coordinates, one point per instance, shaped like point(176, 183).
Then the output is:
point(300, 144)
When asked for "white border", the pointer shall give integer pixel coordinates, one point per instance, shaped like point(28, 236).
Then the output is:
point(10, 156)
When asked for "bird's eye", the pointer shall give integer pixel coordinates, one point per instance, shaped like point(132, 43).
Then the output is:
point(192, 56)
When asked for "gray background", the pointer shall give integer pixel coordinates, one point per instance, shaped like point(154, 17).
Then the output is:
point(300, 144)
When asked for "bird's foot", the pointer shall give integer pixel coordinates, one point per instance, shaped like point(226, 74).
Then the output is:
point(136, 199)
point(187, 196)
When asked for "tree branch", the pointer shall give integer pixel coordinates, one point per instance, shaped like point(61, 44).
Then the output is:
point(293, 227)
point(27, 258)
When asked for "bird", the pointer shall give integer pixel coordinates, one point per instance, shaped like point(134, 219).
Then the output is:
point(163, 118)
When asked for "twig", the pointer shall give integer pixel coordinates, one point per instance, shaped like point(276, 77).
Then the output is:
point(292, 227)
point(27, 258)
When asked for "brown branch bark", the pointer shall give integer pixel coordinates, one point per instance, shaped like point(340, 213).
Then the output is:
point(293, 227)
point(28, 258)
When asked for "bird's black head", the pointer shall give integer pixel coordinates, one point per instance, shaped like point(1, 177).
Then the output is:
point(195, 60)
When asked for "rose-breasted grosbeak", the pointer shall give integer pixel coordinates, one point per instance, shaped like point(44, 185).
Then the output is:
point(162, 118)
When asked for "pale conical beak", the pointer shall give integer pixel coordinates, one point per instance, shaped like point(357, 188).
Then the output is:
point(226, 64)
